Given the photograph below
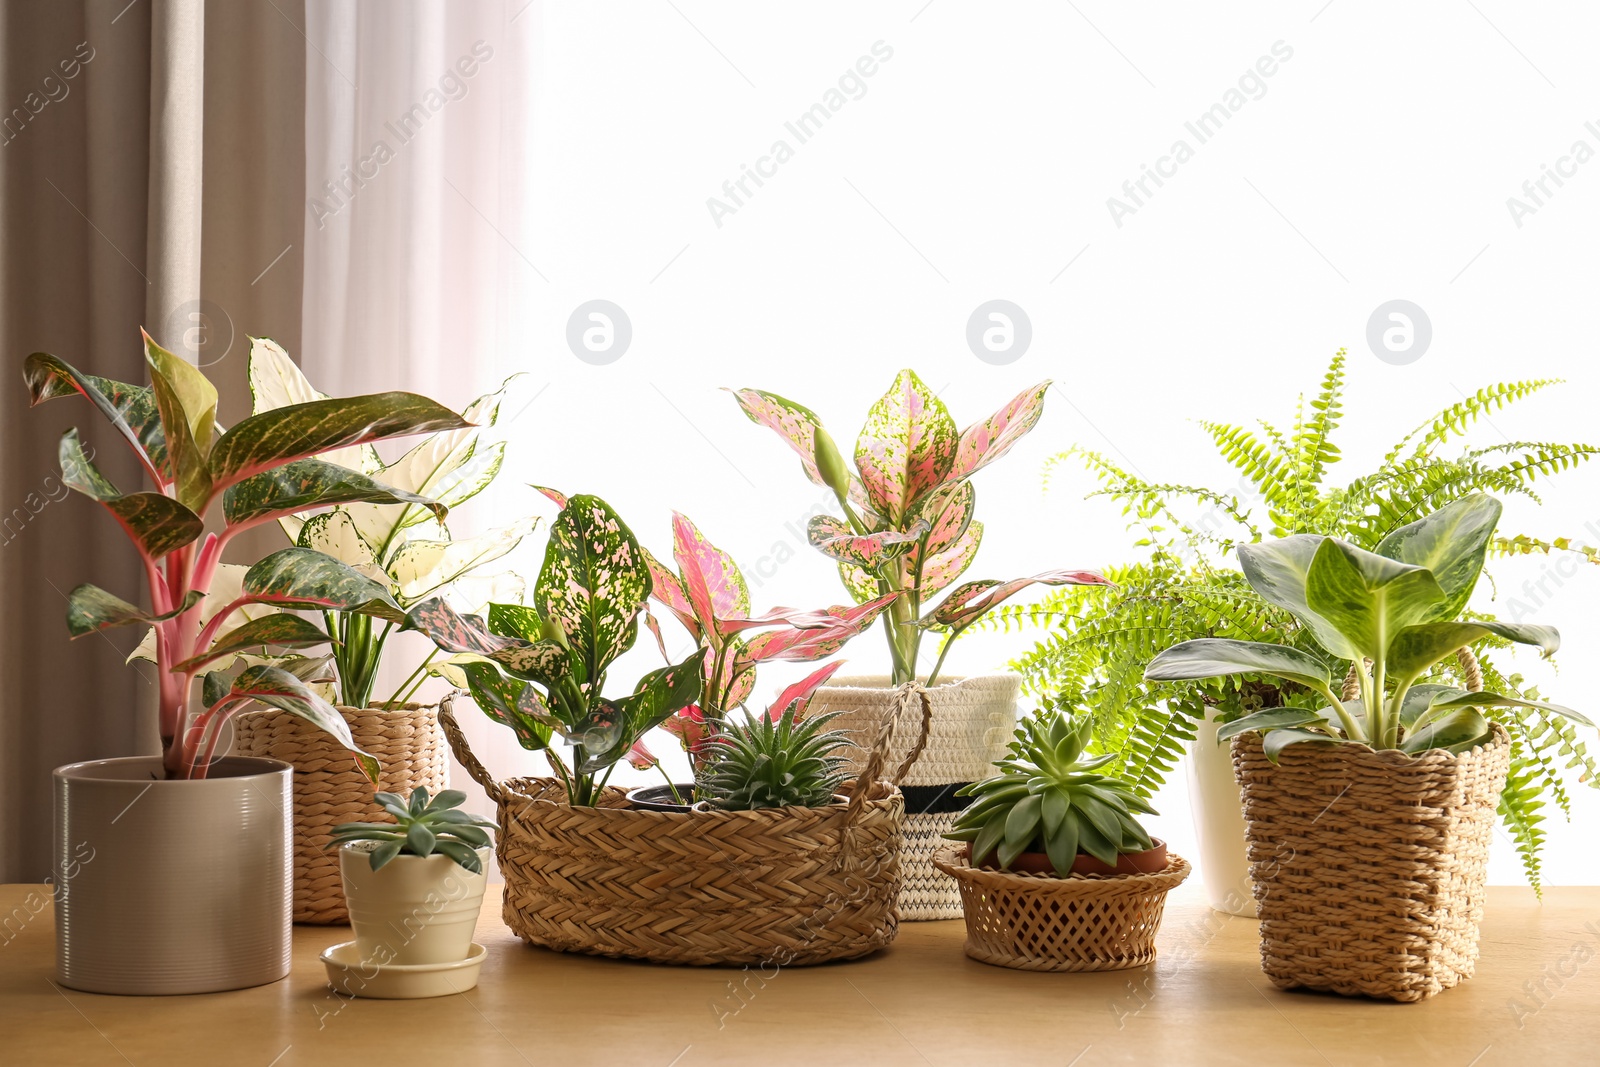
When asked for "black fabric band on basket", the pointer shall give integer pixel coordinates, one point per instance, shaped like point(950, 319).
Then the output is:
point(934, 799)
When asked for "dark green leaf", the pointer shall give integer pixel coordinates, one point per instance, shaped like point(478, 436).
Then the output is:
point(385, 852)
point(1416, 648)
point(1267, 719)
point(279, 689)
point(419, 839)
point(304, 578)
point(1459, 730)
point(1275, 741)
point(90, 609)
point(511, 702)
point(306, 484)
point(155, 523)
point(284, 631)
point(1213, 657)
point(130, 408)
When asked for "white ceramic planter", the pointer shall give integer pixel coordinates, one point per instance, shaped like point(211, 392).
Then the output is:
point(171, 887)
point(415, 909)
point(1218, 811)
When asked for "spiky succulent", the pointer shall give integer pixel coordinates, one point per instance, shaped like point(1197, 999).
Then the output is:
point(421, 828)
point(775, 763)
point(1048, 798)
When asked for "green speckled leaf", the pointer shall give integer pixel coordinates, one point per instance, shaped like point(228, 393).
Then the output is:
point(301, 578)
point(511, 702)
point(277, 688)
point(130, 408)
point(90, 608)
point(594, 582)
point(156, 523)
point(306, 484)
point(284, 631)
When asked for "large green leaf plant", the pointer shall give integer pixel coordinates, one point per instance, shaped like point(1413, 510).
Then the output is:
point(204, 613)
point(405, 547)
point(1183, 583)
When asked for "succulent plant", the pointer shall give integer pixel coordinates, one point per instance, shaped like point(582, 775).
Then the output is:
point(1048, 798)
point(774, 762)
point(421, 828)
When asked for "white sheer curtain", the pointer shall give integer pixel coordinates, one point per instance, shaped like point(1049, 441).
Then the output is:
point(412, 224)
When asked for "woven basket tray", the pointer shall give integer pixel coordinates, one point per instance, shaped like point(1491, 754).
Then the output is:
point(780, 886)
point(972, 721)
point(1369, 867)
point(328, 789)
point(1039, 922)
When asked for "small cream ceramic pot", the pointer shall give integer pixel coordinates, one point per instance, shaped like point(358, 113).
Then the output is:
point(413, 910)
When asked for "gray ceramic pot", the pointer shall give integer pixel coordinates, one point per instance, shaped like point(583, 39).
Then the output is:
point(172, 886)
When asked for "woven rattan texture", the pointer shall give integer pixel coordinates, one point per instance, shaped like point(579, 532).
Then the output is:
point(779, 886)
point(328, 789)
point(1038, 922)
point(973, 719)
point(1369, 867)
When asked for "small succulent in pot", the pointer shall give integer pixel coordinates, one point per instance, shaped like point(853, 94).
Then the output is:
point(775, 762)
point(1049, 799)
point(421, 828)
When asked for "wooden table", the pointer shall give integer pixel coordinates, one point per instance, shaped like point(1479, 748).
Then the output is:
point(921, 1002)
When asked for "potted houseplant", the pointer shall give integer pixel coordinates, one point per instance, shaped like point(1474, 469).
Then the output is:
point(415, 889)
point(777, 760)
point(186, 833)
point(1369, 818)
point(709, 597)
point(1056, 873)
point(587, 872)
point(907, 528)
point(1096, 644)
point(407, 549)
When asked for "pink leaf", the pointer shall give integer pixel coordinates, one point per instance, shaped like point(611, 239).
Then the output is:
point(797, 425)
point(802, 645)
point(834, 539)
point(712, 581)
point(655, 629)
point(668, 590)
point(801, 691)
point(942, 570)
point(806, 620)
point(964, 606)
point(688, 725)
point(984, 442)
point(554, 495)
point(949, 509)
point(641, 757)
point(906, 447)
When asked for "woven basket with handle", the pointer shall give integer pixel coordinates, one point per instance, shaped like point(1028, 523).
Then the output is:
point(329, 789)
point(1370, 867)
point(778, 886)
point(1040, 922)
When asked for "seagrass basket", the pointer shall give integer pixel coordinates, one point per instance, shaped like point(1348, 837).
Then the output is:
point(780, 886)
point(329, 789)
point(972, 722)
point(1370, 867)
point(1041, 922)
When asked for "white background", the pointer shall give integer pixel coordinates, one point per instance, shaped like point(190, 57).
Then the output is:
point(977, 165)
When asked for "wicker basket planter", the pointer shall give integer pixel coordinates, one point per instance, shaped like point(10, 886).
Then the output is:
point(1040, 922)
point(972, 721)
point(1369, 867)
point(329, 790)
point(779, 886)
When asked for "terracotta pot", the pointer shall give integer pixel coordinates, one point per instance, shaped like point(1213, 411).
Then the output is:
point(659, 797)
point(1150, 861)
point(414, 909)
point(176, 886)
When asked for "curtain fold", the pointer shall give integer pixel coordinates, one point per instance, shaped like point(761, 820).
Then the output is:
point(108, 106)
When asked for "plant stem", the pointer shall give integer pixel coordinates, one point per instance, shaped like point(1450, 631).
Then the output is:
point(943, 651)
point(396, 698)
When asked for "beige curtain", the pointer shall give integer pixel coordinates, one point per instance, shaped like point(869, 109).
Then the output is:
point(115, 116)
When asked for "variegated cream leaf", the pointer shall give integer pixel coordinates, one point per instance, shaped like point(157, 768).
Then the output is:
point(276, 381)
point(420, 568)
point(334, 533)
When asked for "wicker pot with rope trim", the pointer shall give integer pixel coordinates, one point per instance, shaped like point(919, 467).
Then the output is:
point(1370, 867)
point(780, 886)
point(329, 789)
point(972, 721)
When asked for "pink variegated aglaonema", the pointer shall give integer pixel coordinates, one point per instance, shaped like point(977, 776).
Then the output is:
point(908, 530)
point(259, 470)
point(708, 595)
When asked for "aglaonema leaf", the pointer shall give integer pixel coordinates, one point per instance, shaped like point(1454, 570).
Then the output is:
point(512, 703)
point(187, 403)
point(302, 578)
point(968, 604)
point(1451, 543)
point(542, 661)
point(310, 483)
point(1368, 598)
point(276, 382)
point(871, 552)
point(277, 688)
point(711, 580)
point(984, 442)
point(1416, 648)
point(155, 523)
point(907, 445)
point(281, 630)
point(1217, 657)
point(594, 582)
point(298, 431)
point(1279, 571)
point(129, 408)
point(803, 644)
point(91, 609)
point(667, 588)
point(798, 425)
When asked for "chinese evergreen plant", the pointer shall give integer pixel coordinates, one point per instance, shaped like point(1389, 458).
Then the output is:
point(405, 547)
point(541, 670)
point(908, 527)
point(1097, 646)
point(257, 471)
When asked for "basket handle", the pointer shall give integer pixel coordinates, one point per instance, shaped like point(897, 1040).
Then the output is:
point(463, 752)
point(872, 771)
point(1470, 670)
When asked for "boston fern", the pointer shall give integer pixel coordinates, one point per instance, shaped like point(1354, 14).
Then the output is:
point(1187, 586)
